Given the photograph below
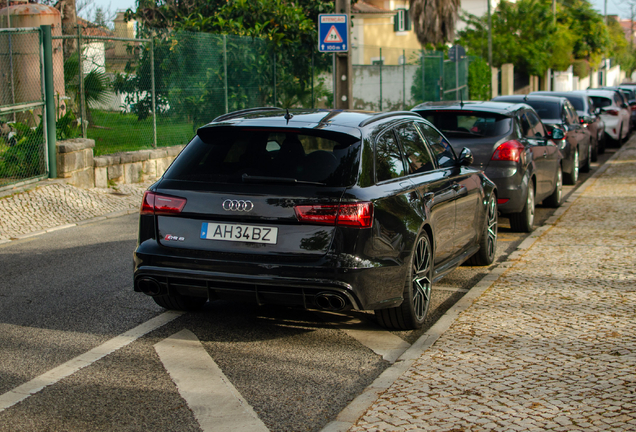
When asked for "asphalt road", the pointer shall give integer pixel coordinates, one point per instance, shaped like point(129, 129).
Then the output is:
point(67, 292)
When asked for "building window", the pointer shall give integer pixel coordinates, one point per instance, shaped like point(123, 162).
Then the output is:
point(402, 21)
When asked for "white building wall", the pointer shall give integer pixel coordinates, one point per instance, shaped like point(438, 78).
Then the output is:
point(613, 76)
point(366, 86)
point(563, 81)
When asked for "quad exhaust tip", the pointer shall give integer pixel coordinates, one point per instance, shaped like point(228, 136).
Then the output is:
point(149, 286)
point(330, 301)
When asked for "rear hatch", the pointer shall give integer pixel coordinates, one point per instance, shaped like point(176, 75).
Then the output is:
point(241, 191)
point(481, 132)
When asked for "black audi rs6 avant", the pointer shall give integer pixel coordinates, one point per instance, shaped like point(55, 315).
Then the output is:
point(321, 209)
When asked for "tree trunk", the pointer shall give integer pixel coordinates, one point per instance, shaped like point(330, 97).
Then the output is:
point(434, 20)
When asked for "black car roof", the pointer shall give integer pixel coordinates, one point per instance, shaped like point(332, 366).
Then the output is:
point(351, 118)
point(578, 93)
point(506, 108)
point(530, 98)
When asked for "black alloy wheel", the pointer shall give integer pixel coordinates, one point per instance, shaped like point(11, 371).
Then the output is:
point(524, 220)
point(180, 302)
point(417, 291)
point(488, 242)
point(556, 198)
point(573, 177)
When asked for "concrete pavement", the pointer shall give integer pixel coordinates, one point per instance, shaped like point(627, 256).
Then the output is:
point(549, 344)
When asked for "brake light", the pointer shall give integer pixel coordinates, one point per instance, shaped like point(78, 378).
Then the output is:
point(502, 200)
point(612, 112)
point(632, 107)
point(508, 151)
point(154, 203)
point(358, 215)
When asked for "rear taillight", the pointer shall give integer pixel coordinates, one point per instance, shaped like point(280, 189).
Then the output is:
point(502, 200)
point(633, 107)
point(611, 112)
point(154, 203)
point(358, 215)
point(508, 151)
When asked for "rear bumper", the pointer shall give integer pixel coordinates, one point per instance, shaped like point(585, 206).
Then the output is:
point(363, 288)
point(511, 186)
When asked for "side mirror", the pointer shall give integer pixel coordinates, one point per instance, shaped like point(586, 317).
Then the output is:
point(558, 134)
point(466, 157)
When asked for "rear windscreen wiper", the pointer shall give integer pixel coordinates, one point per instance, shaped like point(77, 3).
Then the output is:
point(263, 179)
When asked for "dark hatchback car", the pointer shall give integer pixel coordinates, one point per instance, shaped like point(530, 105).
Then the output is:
point(508, 142)
point(588, 116)
point(320, 209)
point(558, 112)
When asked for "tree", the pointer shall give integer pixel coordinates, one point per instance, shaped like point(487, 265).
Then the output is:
point(434, 20)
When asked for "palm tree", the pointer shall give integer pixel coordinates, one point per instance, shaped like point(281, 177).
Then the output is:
point(434, 20)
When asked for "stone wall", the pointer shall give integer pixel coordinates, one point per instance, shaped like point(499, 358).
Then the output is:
point(133, 167)
point(75, 161)
point(76, 164)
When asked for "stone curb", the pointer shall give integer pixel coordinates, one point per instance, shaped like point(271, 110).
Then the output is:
point(356, 408)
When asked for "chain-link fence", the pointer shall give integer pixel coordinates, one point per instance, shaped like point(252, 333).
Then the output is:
point(144, 93)
point(392, 78)
point(23, 152)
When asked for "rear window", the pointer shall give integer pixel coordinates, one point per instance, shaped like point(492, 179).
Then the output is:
point(244, 155)
point(546, 110)
point(577, 103)
point(469, 123)
point(601, 102)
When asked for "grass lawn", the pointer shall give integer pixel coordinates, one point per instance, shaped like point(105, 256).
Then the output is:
point(115, 132)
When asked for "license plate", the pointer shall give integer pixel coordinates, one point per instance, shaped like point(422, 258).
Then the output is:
point(239, 233)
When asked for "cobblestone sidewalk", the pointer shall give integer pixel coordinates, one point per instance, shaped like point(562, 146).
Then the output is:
point(551, 345)
point(55, 204)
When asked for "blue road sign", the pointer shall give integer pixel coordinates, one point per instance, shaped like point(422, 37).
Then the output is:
point(333, 34)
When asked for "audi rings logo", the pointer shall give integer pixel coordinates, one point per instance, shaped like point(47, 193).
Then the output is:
point(237, 205)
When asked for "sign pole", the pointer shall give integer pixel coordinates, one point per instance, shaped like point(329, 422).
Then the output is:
point(334, 74)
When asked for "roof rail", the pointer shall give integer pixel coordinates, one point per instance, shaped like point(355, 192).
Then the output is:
point(384, 115)
point(244, 111)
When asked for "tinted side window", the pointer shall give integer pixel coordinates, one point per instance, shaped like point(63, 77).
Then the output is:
point(418, 159)
point(442, 150)
point(388, 158)
point(526, 127)
point(536, 127)
point(574, 116)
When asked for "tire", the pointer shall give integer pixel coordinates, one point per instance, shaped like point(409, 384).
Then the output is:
point(411, 314)
point(619, 141)
point(588, 161)
point(602, 144)
point(488, 242)
point(595, 151)
point(180, 302)
point(524, 220)
point(556, 198)
point(572, 178)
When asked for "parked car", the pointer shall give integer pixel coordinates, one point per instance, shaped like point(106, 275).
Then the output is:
point(614, 113)
point(510, 144)
point(558, 113)
point(590, 119)
point(629, 97)
point(320, 209)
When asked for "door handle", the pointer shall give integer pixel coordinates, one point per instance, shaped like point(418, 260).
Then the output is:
point(456, 187)
point(429, 196)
